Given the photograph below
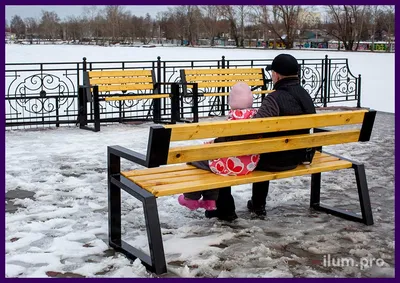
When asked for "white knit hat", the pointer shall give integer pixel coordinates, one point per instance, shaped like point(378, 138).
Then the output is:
point(240, 96)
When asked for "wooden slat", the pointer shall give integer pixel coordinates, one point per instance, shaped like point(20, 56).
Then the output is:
point(217, 150)
point(263, 125)
point(227, 93)
point(317, 160)
point(229, 77)
point(263, 91)
point(162, 169)
point(223, 71)
point(119, 73)
point(136, 97)
point(187, 173)
point(126, 87)
point(105, 81)
point(318, 157)
point(213, 181)
point(228, 84)
point(162, 180)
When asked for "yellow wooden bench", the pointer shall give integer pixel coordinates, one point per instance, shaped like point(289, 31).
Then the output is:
point(217, 82)
point(117, 85)
point(157, 180)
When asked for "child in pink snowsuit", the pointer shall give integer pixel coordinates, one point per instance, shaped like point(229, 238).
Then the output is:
point(240, 102)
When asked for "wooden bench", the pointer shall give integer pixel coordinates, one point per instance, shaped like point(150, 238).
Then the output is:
point(117, 85)
point(217, 82)
point(156, 180)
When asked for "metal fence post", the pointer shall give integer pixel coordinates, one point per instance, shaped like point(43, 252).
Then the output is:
point(326, 80)
point(96, 108)
point(174, 103)
point(195, 103)
point(82, 108)
point(359, 92)
point(157, 102)
point(223, 90)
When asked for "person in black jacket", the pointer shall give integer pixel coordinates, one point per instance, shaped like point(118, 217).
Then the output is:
point(289, 98)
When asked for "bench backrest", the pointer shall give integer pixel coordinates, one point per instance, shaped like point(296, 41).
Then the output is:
point(160, 151)
point(129, 80)
point(223, 78)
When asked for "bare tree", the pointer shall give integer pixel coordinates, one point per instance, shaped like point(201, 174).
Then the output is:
point(389, 23)
point(236, 15)
point(50, 25)
point(18, 26)
point(89, 16)
point(32, 28)
point(285, 23)
point(73, 28)
point(210, 21)
point(113, 15)
point(374, 12)
point(177, 21)
point(259, 18)
point(346, 24)
point(145, 29)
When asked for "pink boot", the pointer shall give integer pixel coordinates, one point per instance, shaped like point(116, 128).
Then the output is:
point(208, 204)
point(189, 203)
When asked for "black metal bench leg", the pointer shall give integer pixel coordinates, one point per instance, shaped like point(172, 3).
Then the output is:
point(154, 235)
point(315, 189)
point(156, 261)
point(365, 205)
point(363, 194)
point(114, 214)
point(114, 201)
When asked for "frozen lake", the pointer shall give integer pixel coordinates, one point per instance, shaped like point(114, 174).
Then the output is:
point(376, 69)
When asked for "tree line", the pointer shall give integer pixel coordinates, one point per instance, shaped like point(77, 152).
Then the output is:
point(288, 24)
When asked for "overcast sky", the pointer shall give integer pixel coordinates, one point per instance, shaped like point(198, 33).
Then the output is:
point(64, 11)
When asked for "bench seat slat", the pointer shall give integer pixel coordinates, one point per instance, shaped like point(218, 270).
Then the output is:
point(114, 73)
point(254, 177)
point(107, 80)
point(227, 93)
point(169, 175)
point(194, 182)
point(318, 158)
point(136, 97)
point(223, 71)
point(223, 77)
point(125, 87)
point(156, 170)
point(193, 175)
point(228, 83)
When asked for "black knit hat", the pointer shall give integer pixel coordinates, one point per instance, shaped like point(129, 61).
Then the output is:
point(284, 64)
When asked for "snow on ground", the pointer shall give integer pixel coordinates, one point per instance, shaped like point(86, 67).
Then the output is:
point(376, 69)
point(61, 230)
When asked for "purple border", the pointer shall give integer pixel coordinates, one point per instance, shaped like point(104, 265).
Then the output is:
point(397, 136)
point(3, 157)
point(196, 2)
point(181, 2)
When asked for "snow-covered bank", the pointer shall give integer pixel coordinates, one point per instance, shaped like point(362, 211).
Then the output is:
point(376, 69)
point(63, 229)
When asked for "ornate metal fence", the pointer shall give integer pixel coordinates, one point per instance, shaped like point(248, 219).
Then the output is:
point(43, 94)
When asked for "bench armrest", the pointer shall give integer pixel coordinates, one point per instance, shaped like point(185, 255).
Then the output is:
point(128, 154)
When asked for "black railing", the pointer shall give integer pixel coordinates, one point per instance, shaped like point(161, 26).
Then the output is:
point(40, 94)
